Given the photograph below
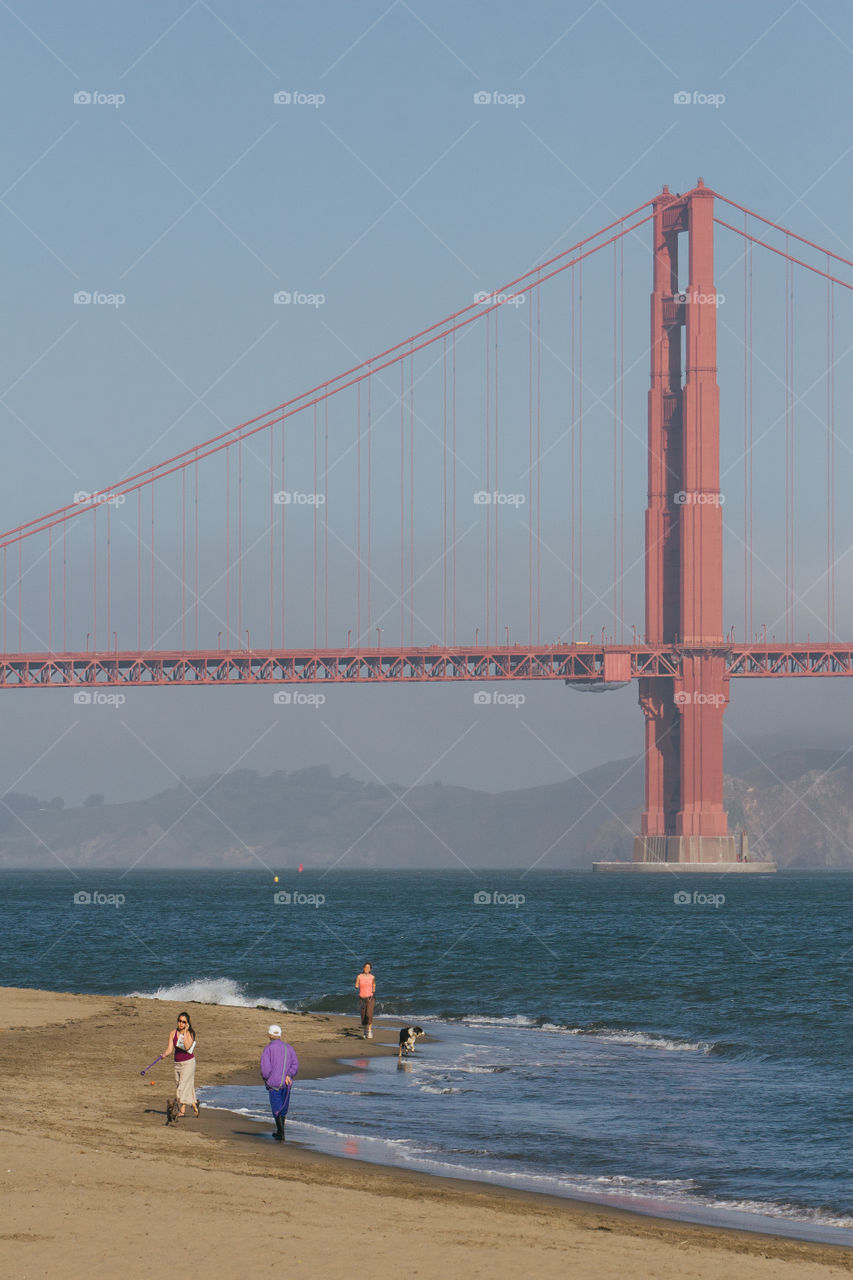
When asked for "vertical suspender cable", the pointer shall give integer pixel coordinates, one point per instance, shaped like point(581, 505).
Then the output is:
point(538, 461)
point(271, 586)
point(530, 507)
point(580, 447)
point(109, 635)
point(572, 474)
point(228, 547)
point(444, 491)
point(283, 515)
point(94, 583)
point(622, 439)
point(747, 633)
point(183, 561)
point(750, 465)
point(412, 498)
point(240, 544)
point(615, 481)
point(358, 514)
point(50, 589)
point(402, 502)
point(314, 526)
point(195, 593)
point(453, 471)
point(369, 498)
point(497, 487)
point(326, 521)
point(152, 565)
point(139, 570)
point(491, 495)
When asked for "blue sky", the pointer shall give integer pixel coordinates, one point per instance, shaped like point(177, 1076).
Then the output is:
point(196, 197)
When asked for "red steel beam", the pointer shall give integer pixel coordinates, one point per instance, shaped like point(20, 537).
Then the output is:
point(602, 666)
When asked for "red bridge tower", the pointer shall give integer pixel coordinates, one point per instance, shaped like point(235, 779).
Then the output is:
point(684, 820)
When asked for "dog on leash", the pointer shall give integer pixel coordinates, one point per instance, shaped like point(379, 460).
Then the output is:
point(408, 1036)
point(173, 1111)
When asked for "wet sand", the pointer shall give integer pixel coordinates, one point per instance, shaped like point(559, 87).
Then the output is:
point(94, 1184)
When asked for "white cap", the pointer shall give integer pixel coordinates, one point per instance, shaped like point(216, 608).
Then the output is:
point(274, 1030)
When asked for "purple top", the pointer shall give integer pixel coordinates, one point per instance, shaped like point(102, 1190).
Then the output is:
point(277, 1061)
point(181, 1055)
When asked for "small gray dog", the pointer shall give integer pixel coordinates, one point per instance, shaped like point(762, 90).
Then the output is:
point(173, 1111)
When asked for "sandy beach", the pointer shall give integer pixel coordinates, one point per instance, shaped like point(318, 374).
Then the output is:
point(94, 1183)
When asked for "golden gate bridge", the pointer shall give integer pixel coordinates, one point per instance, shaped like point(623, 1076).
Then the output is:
point(456, 508)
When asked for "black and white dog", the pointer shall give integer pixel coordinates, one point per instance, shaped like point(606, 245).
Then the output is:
point(408, 1036)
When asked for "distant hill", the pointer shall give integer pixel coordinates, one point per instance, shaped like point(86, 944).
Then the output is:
point(796, 805)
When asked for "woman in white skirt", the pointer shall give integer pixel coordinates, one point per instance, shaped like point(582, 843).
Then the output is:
point(182, 1042)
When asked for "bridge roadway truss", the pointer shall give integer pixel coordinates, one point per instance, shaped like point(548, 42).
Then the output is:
point(603, 666)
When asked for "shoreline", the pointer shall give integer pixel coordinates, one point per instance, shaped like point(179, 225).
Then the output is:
point(113, 1115)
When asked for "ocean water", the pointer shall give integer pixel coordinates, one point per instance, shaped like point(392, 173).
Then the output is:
point(678, 1045)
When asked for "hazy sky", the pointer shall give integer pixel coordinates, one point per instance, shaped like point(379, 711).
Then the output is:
point(181, 185)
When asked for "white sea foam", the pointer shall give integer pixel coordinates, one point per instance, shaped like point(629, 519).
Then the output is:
point(613, 1035)
point(212, 991)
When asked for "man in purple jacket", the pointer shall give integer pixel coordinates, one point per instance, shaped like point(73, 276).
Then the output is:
point(279, 1064)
